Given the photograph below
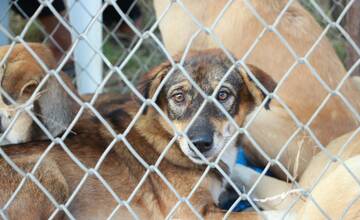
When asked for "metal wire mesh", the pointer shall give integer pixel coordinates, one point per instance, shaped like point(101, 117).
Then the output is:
point(143, 51)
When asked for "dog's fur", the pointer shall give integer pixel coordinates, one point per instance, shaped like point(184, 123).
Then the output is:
point(149, 136)
point(237, 30)
point(336, 192)
point(20, 75)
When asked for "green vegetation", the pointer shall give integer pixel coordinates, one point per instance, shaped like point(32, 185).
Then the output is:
point(148, 54)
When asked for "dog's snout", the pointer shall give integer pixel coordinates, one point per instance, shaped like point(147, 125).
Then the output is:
point(203, 142)
point(201, 134)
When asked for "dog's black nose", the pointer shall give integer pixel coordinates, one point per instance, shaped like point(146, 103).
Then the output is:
point(203, 142)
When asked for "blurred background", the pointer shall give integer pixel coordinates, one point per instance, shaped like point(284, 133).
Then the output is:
point(120, 42)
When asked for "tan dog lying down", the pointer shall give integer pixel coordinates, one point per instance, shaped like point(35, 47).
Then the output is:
point(19, 76)
point(238, 29)
point(337, 192)
point(182, 165)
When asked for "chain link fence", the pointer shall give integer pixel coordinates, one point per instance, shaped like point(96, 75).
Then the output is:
point(129, 48)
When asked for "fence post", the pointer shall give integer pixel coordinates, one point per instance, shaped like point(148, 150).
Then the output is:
point(88, 64)
point(4, 20)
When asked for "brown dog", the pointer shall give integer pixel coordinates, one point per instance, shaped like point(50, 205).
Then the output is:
point(237, 30)
point(131, 179)
point(20, 75)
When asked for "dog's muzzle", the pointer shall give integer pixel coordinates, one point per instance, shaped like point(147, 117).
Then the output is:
point(203, 143)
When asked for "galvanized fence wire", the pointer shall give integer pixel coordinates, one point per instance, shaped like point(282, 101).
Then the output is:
point(117, 69)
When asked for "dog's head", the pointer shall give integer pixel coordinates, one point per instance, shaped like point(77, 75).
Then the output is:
point(20, 75)
point(180, 100)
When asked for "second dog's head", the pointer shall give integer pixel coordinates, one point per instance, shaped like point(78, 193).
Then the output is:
point(20, 75)
point(180, 100)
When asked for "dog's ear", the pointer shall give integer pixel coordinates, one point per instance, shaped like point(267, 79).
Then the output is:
point(265, 79)
point(151, 80)
point(55, 107)
point(28, 88)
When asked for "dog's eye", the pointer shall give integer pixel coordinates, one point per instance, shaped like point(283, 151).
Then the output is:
point(223, 95)
point(178, 97)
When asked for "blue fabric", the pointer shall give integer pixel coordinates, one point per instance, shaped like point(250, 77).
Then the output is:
point(241, 159)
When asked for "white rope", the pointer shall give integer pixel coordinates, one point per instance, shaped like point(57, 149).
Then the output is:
point(281, 196)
